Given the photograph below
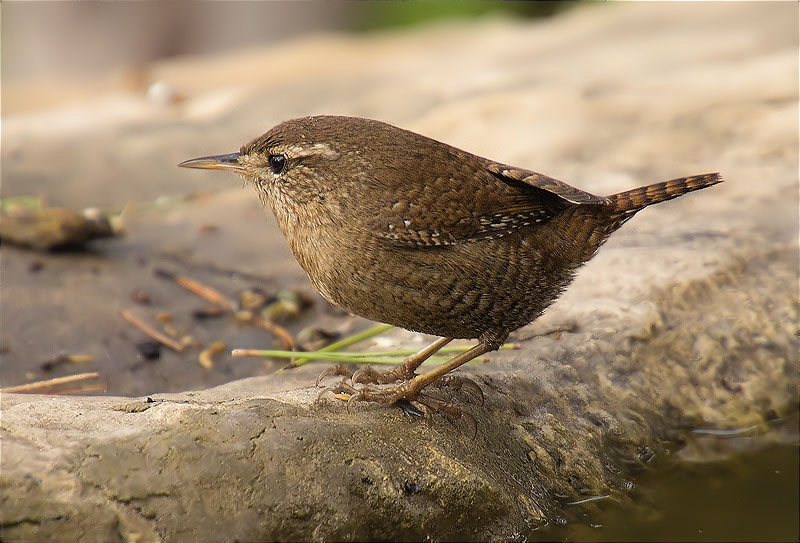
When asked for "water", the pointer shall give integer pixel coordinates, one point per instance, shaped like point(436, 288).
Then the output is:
point(721, 488)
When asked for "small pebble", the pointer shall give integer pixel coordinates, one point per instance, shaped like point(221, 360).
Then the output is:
point(210, 313)
point(163, 94)
point(150, 350)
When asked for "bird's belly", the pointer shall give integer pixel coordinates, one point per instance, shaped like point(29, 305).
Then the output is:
point(453, 291)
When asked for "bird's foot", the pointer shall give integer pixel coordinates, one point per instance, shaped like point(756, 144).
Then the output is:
point(343, 390)
point(368, 375)
point(405, 397)
point(451, 411)
point(334, 370)
point(409, 389)
point(405, 394)
point(457, 383)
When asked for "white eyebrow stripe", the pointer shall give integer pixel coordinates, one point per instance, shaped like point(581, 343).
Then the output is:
point(301, 151)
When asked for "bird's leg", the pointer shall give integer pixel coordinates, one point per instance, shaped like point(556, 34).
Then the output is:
point(411, 388)
point(401, 372)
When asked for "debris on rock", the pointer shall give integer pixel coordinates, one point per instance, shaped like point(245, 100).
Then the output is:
point(51, 228)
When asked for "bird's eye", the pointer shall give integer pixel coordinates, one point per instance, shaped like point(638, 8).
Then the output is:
point(277, 163)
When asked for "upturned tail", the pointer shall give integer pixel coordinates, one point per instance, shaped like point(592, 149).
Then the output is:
point(631, 201)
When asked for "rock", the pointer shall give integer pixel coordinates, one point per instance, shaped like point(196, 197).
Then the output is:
point(686, 318)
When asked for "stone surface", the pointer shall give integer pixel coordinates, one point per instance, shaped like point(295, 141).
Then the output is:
point(686, 319)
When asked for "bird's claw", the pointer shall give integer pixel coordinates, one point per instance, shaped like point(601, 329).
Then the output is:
point(334, 370)
point(342, 391)
point(458, 382)
point(368, 375)
point(365, 385)
point(449, 410)
point(370, 393)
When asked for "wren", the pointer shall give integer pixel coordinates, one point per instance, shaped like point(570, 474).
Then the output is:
point(403, 229)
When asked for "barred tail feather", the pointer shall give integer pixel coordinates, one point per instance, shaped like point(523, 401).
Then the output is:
point(631, 201)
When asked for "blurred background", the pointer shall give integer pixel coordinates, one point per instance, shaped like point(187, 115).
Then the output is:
point(101, 100)
point(76, 39)
point(133, 62)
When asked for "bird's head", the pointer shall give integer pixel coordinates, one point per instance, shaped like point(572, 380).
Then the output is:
point(295, 163)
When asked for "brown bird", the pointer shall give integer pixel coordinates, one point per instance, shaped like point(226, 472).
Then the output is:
point(403, 229)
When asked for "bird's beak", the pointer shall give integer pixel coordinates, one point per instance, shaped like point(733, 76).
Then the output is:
point(217, 162)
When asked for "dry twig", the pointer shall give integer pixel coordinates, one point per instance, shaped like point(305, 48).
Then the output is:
point(219, 299)
point(100, 387)
point(196, 287)
point(47, 383)
point(152, 332)
point(282, 333)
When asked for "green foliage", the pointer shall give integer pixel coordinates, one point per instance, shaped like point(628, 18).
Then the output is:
point(379, 15)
